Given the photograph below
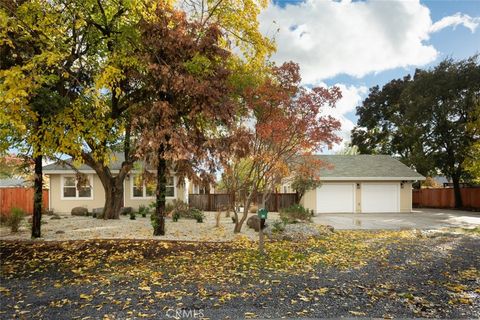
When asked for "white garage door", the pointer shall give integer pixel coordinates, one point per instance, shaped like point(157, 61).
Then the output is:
point(380, 197)
point(336, 197)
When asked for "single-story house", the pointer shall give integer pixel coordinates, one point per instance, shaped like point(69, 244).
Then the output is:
point(64, 192)
point(362, 184)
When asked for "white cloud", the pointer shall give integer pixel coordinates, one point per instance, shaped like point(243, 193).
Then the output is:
point(456, 20)
point(328, 38)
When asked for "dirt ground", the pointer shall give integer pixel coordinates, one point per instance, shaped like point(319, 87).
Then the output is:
point(81, 228)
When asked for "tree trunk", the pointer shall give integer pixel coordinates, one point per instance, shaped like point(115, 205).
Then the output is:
point(239, 223)
point(159, 225)
point(113, 197)
point(112, 185)
point(456, 191)
point(37, 198)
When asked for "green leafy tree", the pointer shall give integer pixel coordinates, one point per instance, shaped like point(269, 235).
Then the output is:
point(426, 120)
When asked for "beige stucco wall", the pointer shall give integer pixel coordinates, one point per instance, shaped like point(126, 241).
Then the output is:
point(65, 205)
point(406, 197)
point(310, 197)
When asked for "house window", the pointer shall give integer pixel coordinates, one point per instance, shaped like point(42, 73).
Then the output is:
point(72, 189)
point(146, 189)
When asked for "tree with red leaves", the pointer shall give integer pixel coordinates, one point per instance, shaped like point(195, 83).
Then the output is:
point(285, 122)
point(184, 123)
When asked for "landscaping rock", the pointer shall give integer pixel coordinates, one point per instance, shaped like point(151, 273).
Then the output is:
point(299, 231)
point(97, 213)
point(60, 232)
point(126, 210)
point(79, 211)
point(254, 223)
point(55, 217)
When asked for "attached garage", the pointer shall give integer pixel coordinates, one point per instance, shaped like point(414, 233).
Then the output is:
point(362, 184)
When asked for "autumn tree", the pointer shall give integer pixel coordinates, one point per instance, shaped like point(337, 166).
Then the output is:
point(426, 120)
point(59, 77)
point(238, 21)
point(183, 125)
point(34, 85)
point(284, 123)
point(95, 45)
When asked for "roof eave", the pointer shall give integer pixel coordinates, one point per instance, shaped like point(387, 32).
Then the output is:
point(372, 178)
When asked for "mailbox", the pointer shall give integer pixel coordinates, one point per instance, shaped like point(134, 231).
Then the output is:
point(262, 213)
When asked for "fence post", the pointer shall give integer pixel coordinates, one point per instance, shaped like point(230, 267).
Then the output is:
point(209, 205)
point(276, 201)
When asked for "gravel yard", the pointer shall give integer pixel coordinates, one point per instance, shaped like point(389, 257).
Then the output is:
point(78, 228)
point(399, 274)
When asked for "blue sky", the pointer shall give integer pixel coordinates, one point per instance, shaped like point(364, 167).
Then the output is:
point(359, 44)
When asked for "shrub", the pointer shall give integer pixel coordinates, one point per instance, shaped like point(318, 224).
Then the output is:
point(278, 226)
point(132, 215)
point(295, 213)
point(190, 213)
point(15, 219)
point(175, 216)
point(197, 215)
point(143, 210)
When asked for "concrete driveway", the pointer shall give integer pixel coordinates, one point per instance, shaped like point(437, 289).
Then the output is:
point(418, 219)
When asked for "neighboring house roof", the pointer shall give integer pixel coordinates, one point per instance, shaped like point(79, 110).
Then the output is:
point(365, 167)
point(59, 166)
point(441, 179)
point(12, 182)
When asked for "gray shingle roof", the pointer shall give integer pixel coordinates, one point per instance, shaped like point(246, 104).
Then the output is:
point(366, 166)
point(12, 182)
point(115, 164)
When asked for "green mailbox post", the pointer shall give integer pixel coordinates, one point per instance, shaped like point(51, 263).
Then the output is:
point(262, 213)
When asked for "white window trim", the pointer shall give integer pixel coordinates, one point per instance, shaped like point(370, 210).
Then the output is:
point(132, 197)
point(62, 184)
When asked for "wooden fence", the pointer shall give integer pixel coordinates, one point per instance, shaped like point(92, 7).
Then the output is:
point(445, 198)
point(213, 202)
point(19, 197)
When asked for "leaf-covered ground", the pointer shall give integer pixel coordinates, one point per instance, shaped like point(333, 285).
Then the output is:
point(350, 274)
